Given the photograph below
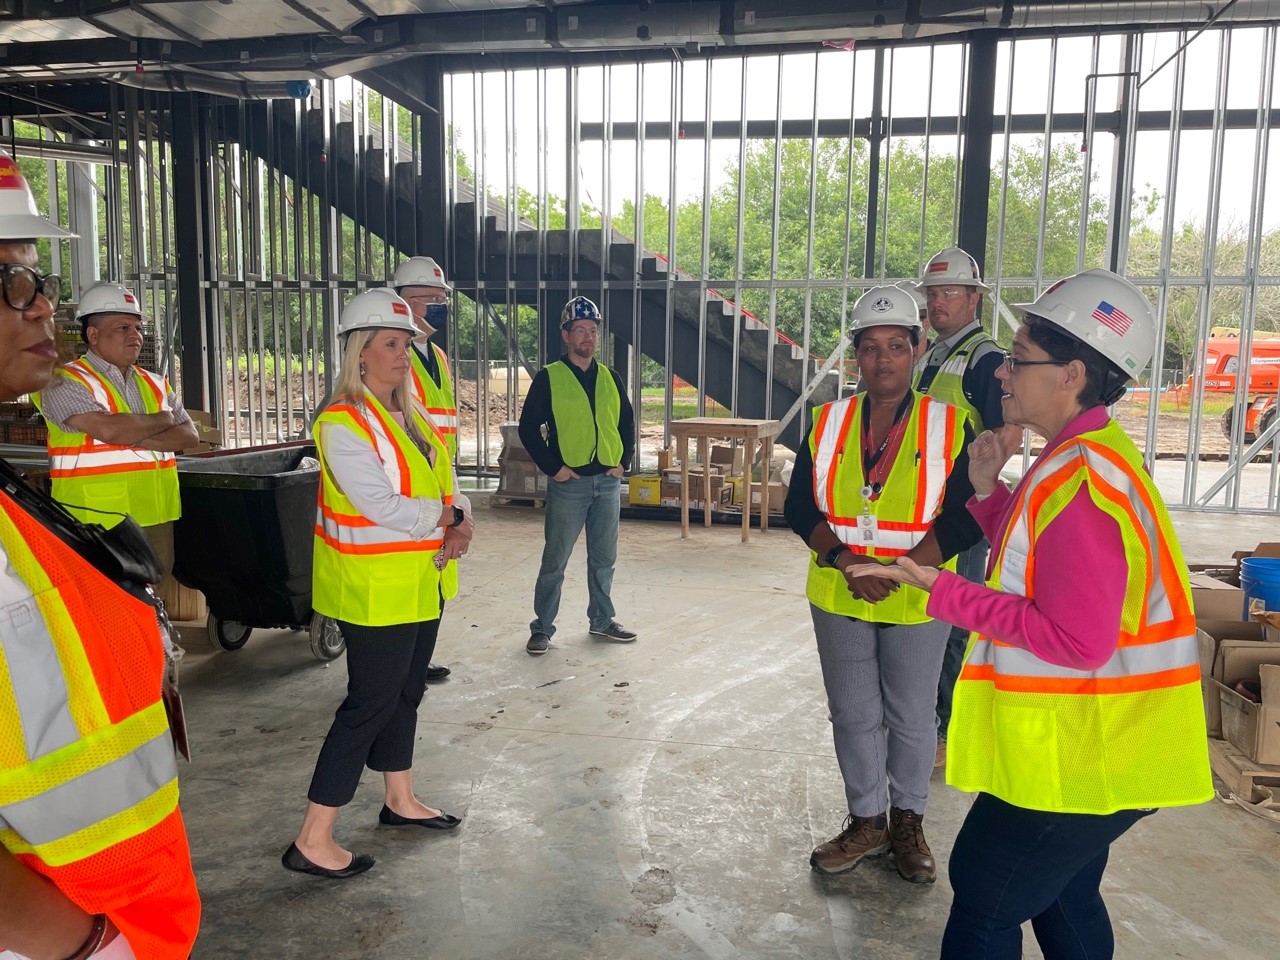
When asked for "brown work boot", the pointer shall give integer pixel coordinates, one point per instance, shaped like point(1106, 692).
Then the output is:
point(861, 837)
point(940, 754)
point(906, 836)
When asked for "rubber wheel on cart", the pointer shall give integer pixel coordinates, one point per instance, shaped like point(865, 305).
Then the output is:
point(227, 634)
point(327, 642)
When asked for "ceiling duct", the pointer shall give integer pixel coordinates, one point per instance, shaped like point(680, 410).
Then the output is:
point(628, 26)
point(218, 86)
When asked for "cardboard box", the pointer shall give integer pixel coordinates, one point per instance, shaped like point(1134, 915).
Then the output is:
point(728, 458)
point(521, 478)
point(1254, 728)
point(1209, 637)
point(644, 490)
point(777, 496)
point(666, 457)
point(720, 493)
point(735, 485)
point(1215, 600)
point(210, 436)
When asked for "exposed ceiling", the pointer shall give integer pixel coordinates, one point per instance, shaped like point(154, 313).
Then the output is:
point(275, 40)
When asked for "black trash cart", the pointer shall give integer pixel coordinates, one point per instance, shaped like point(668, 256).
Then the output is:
point(245, 541)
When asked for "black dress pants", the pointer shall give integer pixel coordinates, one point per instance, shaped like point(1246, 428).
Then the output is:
point(376, 724)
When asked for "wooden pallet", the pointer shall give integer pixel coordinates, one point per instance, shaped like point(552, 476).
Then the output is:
point(507, 500)
point(1241, 777)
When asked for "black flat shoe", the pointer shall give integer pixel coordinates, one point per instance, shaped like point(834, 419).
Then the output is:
point(294, 860)
point(435, 674)
point(389, 818)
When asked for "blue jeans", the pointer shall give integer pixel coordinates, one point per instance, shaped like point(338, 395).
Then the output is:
point(972, 565)
point(593, 502)
point(1010, 865)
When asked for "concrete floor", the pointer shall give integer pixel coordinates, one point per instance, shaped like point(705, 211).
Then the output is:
point(652, 800)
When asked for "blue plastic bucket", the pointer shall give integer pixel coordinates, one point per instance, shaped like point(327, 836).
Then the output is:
point(1260, 580)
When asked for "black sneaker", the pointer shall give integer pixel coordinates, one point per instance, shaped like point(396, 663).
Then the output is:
point(614, 631)
point(436, 674)
point(538, 644)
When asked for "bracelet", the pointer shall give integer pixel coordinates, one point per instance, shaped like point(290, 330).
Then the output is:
point(97, 933)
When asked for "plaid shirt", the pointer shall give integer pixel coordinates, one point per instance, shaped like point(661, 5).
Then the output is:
point(65, 398)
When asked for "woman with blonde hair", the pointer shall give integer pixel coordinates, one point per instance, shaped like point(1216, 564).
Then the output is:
point(387, 506)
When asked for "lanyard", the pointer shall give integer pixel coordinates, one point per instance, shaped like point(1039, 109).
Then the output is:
point(870, 459)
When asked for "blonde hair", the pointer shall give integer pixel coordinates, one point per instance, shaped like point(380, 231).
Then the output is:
point(349, 386)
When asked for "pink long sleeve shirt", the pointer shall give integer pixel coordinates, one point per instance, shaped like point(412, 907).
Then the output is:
point(1079, 579)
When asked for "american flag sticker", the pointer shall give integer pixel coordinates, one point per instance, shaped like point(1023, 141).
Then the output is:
point(1112, 317)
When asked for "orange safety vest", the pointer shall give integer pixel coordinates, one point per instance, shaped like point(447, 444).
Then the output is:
point(88, 778)
point(1128, 735)
point(85, 472)
point(439, 400)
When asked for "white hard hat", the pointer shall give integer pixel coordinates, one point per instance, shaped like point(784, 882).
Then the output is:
point(952, 266)
point(108, 298)
point(19, 218)
point(378, 309)
point(420, 272)
point(913, 289)
point(885, 307)
point(1104, 310)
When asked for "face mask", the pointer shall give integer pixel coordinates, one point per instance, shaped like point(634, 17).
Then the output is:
point(437, 315)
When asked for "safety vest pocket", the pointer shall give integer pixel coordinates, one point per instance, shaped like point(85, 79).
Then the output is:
point(1026, 753)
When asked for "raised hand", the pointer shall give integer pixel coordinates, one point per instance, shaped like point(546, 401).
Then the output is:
point(988, 454)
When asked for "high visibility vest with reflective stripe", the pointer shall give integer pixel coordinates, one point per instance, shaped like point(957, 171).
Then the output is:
point(88, 780)
point(113, 479)
point(439, 399)
point(948, 383)
point(581, 437)
point(1128, 735)
point(932, 439)
point(369, 574)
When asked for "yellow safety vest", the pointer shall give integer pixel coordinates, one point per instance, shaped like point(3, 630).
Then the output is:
point(912, 497)
point(1128, 735)
point(948, 383)
point(581, 437)
point(368, 574)
point(105, 477)
point(439, 398)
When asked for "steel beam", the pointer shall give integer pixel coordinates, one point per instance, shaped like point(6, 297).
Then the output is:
point(201, 387)
point(979, 126)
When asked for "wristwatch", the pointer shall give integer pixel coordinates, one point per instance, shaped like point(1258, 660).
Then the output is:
point(834, 554)
point(458, 517)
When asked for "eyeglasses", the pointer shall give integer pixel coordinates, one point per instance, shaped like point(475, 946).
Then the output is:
point(1013, 363)
point(945, 293)
point(22, 285)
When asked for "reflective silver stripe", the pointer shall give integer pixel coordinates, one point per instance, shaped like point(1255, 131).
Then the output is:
point(39, 686)
point(936, 454)
point(365, 535)
point(1127, 661)
point(386, 448)
point(827, 449)
point(94, 796)
point(903, 540)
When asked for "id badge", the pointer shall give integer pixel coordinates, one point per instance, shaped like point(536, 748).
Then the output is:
point(867, 528)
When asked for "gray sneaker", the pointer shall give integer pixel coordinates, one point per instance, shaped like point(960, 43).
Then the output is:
point(614, 631)
point(538, 644)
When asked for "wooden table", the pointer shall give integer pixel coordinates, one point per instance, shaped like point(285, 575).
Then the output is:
point(706, 429)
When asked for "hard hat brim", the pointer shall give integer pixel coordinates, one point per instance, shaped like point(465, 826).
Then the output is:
point(940, 282)
point(28, 227)
point(416, 283)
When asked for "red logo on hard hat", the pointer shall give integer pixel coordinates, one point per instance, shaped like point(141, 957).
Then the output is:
point(130, 298)
point(940, 267)
point(439, 273)
point(11, 175)
point(399, 308)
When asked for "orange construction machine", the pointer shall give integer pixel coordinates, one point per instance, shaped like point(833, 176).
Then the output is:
point(1222, 371)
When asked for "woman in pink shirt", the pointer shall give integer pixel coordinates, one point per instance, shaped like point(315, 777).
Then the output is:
point(1078, 711)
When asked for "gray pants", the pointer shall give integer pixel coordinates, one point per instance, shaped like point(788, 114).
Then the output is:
point(882, 681)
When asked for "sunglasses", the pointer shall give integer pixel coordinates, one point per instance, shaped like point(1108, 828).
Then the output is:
point(22, 285)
